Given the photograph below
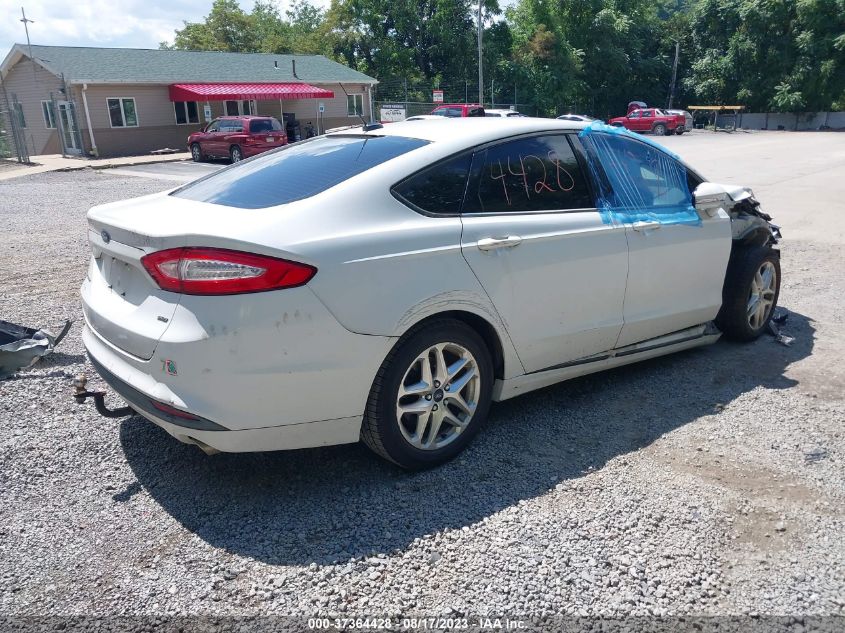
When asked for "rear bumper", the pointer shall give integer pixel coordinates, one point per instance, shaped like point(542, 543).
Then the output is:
point(206, 433)
point(277, 370)
point(254, 150)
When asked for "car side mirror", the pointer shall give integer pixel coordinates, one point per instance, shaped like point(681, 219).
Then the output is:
point(709, 197)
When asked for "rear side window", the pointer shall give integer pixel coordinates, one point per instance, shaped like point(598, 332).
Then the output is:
point(449, 112)
point(538, 173)
point(264, 125)
point(231, 125)
point(438, 189)
point(296, 171)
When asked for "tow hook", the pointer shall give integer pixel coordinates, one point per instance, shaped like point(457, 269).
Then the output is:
point(80, 394)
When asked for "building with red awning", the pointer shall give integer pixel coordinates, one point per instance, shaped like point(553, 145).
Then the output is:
point(123, 101)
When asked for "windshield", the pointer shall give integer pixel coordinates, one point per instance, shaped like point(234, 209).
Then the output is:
point(264, 125)
point(296, 171)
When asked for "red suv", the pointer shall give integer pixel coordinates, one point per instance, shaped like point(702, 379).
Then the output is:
point(457, 110)
point(237, 137)
point(652, 120)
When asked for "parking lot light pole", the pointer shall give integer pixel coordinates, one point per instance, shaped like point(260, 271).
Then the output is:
point(480, 67)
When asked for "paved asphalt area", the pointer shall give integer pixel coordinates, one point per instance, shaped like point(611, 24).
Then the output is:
point(182, 171)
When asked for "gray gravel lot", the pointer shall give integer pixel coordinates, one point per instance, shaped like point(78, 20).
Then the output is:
point(709, 482)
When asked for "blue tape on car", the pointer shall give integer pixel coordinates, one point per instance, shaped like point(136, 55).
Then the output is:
point(639, 180)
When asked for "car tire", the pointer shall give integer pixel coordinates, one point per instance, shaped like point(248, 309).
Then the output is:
point(659, 129)
point(680, 130)
point(448, 424)
point(236, 154)
point(196, 153)
point(750, 293)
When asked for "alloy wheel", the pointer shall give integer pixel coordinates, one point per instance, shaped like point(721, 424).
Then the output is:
point(761, 296)
point(438, 396)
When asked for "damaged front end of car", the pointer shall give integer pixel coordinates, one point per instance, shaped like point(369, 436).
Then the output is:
point(749, 224)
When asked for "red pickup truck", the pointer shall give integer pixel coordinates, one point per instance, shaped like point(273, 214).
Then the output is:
point(652, 120)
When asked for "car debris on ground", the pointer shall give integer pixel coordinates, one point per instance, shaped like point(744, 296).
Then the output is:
point(22, 347)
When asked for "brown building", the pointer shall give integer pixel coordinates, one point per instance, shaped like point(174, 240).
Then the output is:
point(124, 101)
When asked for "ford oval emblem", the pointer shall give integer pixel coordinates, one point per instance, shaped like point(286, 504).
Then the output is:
point(105, 235)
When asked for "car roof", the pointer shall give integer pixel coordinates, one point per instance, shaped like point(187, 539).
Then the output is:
point(470, 131)
point(241, 117)
point(501, 110)
point(458, 105)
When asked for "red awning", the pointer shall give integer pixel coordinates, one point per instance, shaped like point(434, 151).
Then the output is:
point(224, 92)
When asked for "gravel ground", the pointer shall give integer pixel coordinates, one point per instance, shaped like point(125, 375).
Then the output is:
point(706, 483)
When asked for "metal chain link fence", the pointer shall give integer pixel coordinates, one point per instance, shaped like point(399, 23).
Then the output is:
point(419, 97)
point(12, 141)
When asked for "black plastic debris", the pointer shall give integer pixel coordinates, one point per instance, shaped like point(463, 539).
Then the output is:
point(22, 347)
point(778, 319)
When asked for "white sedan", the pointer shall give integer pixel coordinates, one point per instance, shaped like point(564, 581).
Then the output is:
point(386, 284)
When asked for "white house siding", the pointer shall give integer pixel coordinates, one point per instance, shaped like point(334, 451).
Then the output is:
point(30, 91)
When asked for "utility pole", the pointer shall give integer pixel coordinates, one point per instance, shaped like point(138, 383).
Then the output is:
point(480, 67)
point(26, 21)
point(674, 74)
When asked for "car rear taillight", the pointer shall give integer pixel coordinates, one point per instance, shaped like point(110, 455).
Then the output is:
point(219, 271)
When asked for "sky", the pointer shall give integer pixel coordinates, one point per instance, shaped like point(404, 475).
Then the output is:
point(121, 23)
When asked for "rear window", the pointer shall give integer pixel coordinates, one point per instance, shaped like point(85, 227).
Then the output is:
point(296, 171)
point(264, 125)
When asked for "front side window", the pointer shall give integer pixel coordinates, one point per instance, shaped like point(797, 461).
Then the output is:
point(296, 171)
point(438, 189)
point(354, 105)
point(539, 173)
point(645, 182)
point(186, 112)
point(214, 126)
point(49, 114)
point(635, 114)
point(122, 112)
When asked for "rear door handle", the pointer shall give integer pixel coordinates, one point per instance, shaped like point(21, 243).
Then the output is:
point(492, 243)
point(645, 226)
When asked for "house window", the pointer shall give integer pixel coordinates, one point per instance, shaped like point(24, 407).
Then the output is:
point(354, 105)
point(49, 114)
point(19, 112)
point(122, 111)
point(238, 108)
point(186, 112)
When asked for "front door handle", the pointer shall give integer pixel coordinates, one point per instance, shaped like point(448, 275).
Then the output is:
point(492, 243)
point(645, 226)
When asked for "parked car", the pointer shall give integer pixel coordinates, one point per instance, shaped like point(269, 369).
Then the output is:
point(688, 120)
point(651, 120)
point(575, 117)
point(501, 113)
point(458, 110)
point(236, 138)
point(388, 283)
